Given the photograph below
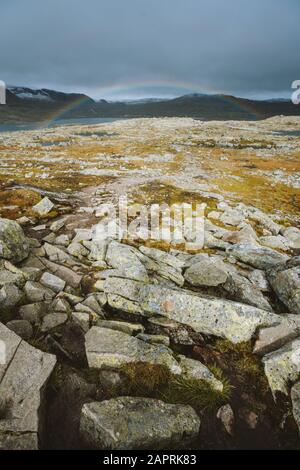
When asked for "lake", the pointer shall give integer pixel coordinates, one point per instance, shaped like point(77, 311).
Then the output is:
point(59, 122)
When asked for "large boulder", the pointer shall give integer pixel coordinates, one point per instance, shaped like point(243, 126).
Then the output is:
point(232, 320)
point(127, 423)
point(24, 372)
point(107, 348)
point(13, 243)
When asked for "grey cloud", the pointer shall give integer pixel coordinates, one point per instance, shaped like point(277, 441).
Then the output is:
point(234, 46)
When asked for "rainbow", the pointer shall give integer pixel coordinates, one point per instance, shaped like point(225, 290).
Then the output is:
point(181, 88)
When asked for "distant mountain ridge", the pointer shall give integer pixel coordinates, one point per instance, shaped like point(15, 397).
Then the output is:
point(46, 94)
point(34, 105)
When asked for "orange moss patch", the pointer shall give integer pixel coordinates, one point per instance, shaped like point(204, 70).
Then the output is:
point(17, 202)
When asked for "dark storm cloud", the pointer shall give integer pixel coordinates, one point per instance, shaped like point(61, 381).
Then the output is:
point(237, 46)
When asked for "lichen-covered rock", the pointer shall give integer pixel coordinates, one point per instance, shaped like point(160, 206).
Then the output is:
point(293, 235)
point(56, 254)
point(274, 337)
point(65, 273)
point(258, 257)
point(259, 279)
point(110, 348)
point(210, 241)
point(35, 292)
point(82, 319)
point(286, 284)
point(123, 294)
point(232, 217)
point(128, 423)
point(10, 295)
point(193, 369)
point(124, 305)
point(246, 235)
point(60, 305)
point(162, 257)
point(283, 367)
point(93, 303)
point(53, 320)
point(207, 272)
point(57, 225)
point(163, 264)
point(8, 277)
point(232, 320)
point(97, 249)
point(13, 243)
point(52, 282)
point(43, 207)
point(78, 250)
point(242, 290)
point(21, 327)
point(124, 258)
point(277, 242)
point(23, 377)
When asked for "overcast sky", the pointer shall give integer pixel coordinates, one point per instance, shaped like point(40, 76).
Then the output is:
point(137, 48)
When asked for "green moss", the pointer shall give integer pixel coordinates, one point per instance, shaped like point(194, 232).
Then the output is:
point(225, 346)
point(246, 367)
point(144, 379)
point(197, 393)
point(156, 381)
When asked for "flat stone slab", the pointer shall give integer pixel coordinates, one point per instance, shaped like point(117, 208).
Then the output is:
point(231, 320)
point(107, 348)
point(127, 423)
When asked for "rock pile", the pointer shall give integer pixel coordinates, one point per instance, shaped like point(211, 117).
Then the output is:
point(133, 304)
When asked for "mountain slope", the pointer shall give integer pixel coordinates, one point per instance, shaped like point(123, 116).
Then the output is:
point(28, 105)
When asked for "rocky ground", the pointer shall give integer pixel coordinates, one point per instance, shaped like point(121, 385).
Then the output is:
point(118, 345)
